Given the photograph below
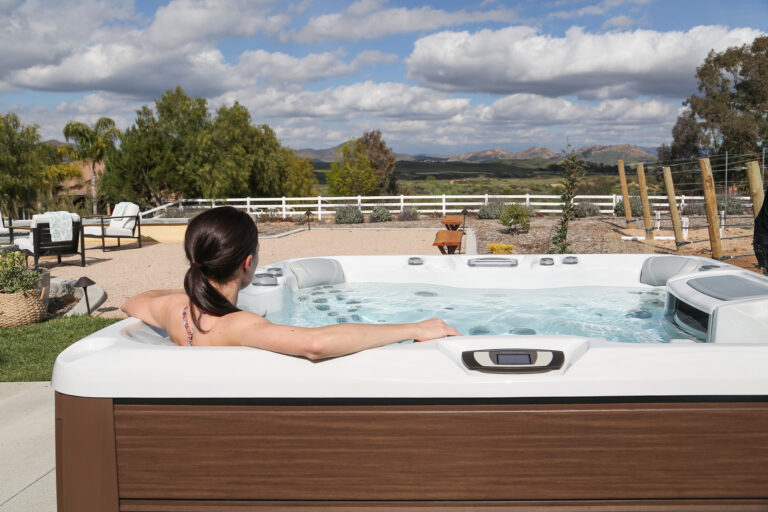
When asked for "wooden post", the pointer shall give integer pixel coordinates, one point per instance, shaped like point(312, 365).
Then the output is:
point(673, 211)
point(646, 204)
point(711, 205)
point(625, 193)
point(755, 186)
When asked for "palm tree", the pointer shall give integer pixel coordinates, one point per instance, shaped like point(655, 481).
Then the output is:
point(92, 144)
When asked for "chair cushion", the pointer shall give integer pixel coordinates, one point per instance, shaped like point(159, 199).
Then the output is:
point(108, 231)
point(127, 212)
point(25, 243)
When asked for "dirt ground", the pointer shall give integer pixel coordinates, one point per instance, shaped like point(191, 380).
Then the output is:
point(130, 270)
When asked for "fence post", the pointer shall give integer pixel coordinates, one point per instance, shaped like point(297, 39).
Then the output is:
point(646, 205)
point(443, 205)
point(319, 208)
point(285, 212)
point(711, 204)
point(755, 186)
point(672, 198)
point(625, 193)
point(402, 202)
point(486, 198)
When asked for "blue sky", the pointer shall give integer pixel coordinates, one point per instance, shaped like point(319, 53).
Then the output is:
point(435, 77)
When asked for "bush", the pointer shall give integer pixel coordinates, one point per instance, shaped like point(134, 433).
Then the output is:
point(15, 277)
point(380, 214)
point(299, 219)
point(491, 210)
point(501, 248)
point(582, 210)
point(349, 215)
point(697, 208)
point(517, 214)
point(735, 206)
point(408, 213)
point(635, 204)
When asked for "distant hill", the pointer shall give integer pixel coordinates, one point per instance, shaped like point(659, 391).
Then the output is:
point(611, 154)
point(595, 154)
point(488, 155)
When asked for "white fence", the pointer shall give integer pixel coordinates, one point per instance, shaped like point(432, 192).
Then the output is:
point(286, 207)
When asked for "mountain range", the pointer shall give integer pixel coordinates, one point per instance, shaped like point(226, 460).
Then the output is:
point(596, 154)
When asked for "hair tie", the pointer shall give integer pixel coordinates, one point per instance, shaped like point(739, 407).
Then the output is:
point(196, 265)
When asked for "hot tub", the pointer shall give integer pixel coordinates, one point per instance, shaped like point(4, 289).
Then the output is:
point(490, 421)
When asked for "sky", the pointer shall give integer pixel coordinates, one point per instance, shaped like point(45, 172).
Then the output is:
point(438, 77)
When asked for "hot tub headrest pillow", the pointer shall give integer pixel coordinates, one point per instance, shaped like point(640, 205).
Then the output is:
point(316, 272)
point(657, 269)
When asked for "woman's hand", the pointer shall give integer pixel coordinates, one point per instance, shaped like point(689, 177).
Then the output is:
point(434, 328)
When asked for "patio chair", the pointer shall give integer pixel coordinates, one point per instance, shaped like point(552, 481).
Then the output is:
point(5, 231)
point(42, 242)
point(125, 222)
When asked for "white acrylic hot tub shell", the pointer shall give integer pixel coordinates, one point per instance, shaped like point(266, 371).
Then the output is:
point(130, 360)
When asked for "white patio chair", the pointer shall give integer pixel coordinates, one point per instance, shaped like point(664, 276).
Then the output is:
point(125, 222)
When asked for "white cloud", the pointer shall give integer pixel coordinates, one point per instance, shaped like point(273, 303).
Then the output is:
point(367, 19)
point(619, 22)
point(520, 59)
point(383, 100)
point(280, 68)
point(595, 9)
point(185, 21)
point(34, 33)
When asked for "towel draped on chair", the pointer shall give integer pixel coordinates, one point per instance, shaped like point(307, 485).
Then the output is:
point(61, 226)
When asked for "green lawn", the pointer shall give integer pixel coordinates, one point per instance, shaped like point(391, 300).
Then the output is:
point(27, 353)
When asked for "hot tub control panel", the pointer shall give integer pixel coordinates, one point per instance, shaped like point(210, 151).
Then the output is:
point(513, 360)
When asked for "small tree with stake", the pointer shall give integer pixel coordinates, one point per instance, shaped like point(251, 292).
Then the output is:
point(574, 171)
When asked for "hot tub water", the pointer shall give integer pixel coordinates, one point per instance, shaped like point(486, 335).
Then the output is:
point(627, 314)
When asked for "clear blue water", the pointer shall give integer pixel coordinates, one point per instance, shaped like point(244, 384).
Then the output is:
point(614, 313)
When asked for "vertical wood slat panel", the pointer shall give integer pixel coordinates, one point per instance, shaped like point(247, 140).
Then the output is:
point(86, 469)
point(499, 452)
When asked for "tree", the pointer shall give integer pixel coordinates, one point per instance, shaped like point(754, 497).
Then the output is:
point(574, 170)
point(382, 161)
point(733, 99)
point(29, 170)
point(298, 177)
point(92, 145)
point(686, 147)
point(352, 174)
point(143, 170)
point(182, 120)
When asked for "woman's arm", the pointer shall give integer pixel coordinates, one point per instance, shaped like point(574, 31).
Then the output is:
point(332, 340)
point(150, 306)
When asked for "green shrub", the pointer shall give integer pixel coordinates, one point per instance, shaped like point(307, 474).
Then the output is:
point(517, 214)
point(15, 277)
point(697, 208)
point(408, 213)
point(582, 210)
point(491, 210)
point(380, 214)
point(734, 207)
point(635, 204)
point(349, 215)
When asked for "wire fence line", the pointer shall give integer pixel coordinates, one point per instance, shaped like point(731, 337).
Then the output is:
point(288, 207)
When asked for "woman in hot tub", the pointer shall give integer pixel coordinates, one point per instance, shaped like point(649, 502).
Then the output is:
point(221, 245)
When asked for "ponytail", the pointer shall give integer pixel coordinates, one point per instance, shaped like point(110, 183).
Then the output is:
point(217, 242)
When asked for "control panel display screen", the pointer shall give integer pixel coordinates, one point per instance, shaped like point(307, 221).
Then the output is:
point(513, 359)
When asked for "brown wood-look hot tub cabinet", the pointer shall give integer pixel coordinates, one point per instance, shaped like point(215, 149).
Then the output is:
point(168, 455)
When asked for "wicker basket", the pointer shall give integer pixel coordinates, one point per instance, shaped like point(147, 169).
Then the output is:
point(21, 308)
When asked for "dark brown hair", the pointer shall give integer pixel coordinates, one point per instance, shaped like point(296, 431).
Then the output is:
point(216, 243)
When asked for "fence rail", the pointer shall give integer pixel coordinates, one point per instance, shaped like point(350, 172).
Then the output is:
point(319, 206)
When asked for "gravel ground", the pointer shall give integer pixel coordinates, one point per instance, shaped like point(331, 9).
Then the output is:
point(126, 272)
